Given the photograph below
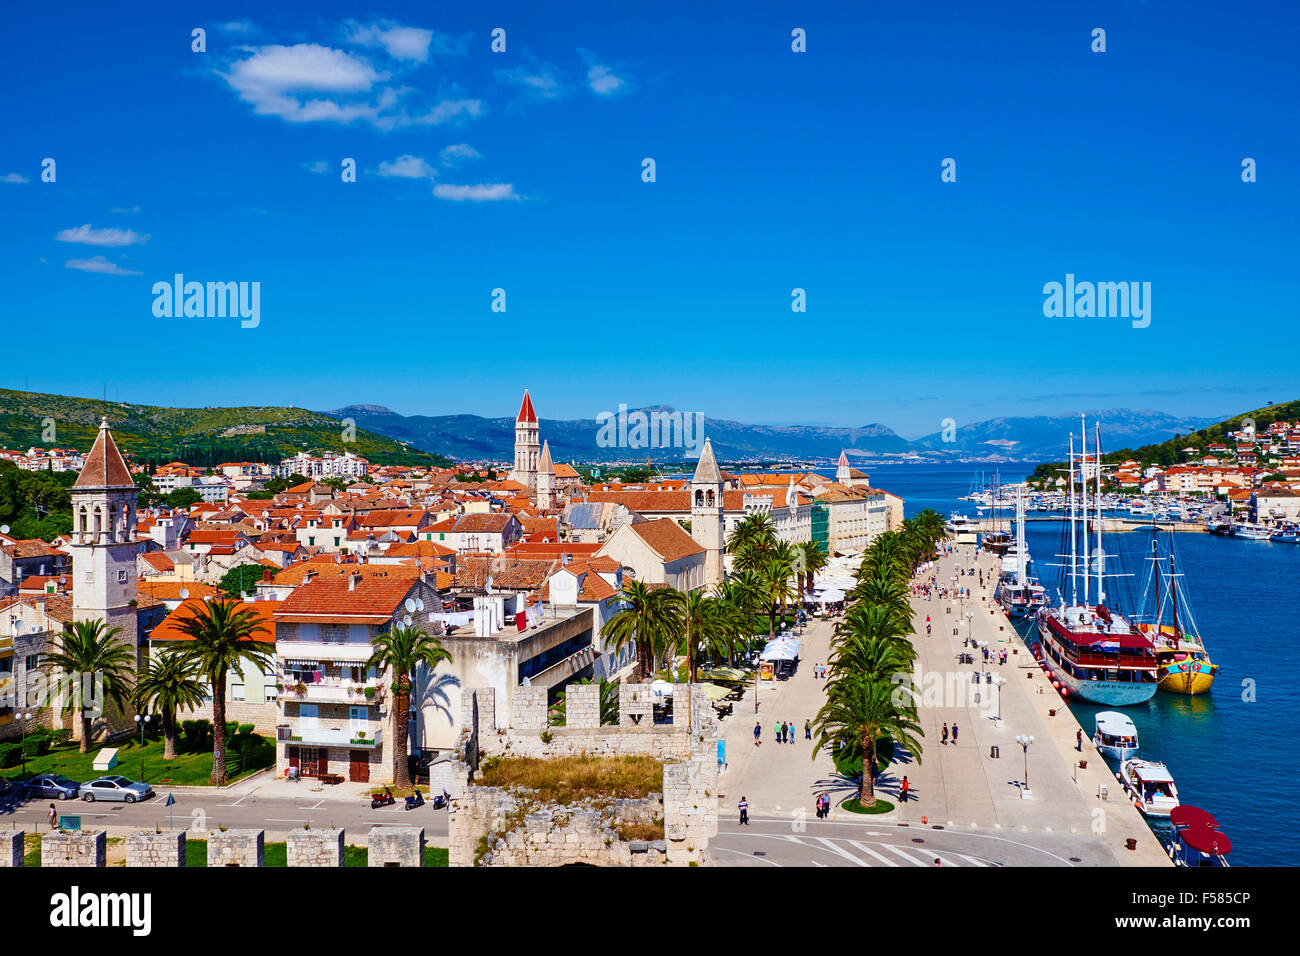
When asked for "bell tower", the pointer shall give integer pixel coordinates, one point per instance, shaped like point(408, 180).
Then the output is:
point(528, 450)
point(707, 521)
point(545, 478)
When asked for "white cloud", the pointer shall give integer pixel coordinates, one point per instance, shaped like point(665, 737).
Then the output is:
point(407, 167)
point(101, 265)
point(318, 166)
point(120, 210)
point(536, 79)
point(14, 178)
point(401, 43)
point(238, 26)
point(308, 83)
point(458, 153)
point(602, 78)
point(484, 192)
point(91, 236)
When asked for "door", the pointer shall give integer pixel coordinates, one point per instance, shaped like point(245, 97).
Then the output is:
point(359, 766)
point(359, 720)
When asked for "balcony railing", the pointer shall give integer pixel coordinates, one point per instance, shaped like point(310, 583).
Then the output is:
point(329, 737)
point(336, 692)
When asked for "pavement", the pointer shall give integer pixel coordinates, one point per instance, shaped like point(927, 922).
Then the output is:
point(979, 801)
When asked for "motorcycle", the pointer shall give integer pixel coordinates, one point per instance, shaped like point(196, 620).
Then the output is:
point(385, 799)
point(415, 800)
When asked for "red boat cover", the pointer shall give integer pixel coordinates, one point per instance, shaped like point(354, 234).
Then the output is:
point(1199, 830)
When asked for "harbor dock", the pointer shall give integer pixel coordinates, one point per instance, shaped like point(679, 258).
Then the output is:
point(1108, 525)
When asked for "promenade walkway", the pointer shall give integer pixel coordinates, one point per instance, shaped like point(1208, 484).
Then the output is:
point(960, 787)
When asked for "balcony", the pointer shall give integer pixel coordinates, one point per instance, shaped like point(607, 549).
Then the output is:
point(329, 737)
point(336, 691)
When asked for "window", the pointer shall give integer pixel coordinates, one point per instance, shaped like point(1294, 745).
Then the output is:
point(121, 577)
point(236, 691)
point(32, 661)
point(269, 693)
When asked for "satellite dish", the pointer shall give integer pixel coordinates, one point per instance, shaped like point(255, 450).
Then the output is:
point(185, 592)
point(410, 606)
point(407, 620)
point(419, 604)
point(4, 529)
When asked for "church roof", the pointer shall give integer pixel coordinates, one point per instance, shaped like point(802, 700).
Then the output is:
point(707, 469)
point(546, 466)
point(844, 460)
point(526, 413)
point(104, 465)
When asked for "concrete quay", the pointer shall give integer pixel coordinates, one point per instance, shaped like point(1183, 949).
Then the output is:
point(977, 799)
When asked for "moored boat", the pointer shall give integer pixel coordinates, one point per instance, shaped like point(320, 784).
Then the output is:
point(1115, 736)
point(1249, 531)
point(1183, 665)
point(1150, 785)
point(1287, 534)
point(1197, 838)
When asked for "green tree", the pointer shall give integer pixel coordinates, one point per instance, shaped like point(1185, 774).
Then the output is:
point(91, 653)
point(223, 639)
point(650, 620)
point(859, 711)
point(243, 579)
point(168, 684)
point(402, 650)
point(182, 498)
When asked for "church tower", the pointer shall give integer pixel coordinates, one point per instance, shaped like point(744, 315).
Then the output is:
point(527, 448)
point(545, 478)
point(103, 549)
point(842, 472)
point(707, 522)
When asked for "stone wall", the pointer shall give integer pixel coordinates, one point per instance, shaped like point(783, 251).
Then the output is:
point(73, 848)
point(153, 849)
point(690, 809)
point(582, 705)
point(636, 705)
point(323, 847)
point(236, 848)
point(530, 711)
point(396, 846)
point(11, 848)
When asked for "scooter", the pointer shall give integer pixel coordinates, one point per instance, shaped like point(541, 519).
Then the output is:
point(415, 800)
point(385, 799)
point(441, 800)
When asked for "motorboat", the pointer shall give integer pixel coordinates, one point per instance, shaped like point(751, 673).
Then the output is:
point(1150, 785)
point(1115, 736)
point(1197, 839)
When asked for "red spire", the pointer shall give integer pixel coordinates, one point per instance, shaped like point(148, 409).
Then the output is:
point(104, 466)
point(526, 413)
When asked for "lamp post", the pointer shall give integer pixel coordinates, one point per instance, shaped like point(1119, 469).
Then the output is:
point(23, 745)
point(999, 681)
point(1025, 741)
point(142, 721)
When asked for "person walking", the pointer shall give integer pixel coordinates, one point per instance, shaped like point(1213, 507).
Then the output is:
point(758, 734)
point(743, 806)
point(777, 731)
point(1078, 740)
point(903, 789)
point(945, 734)
point(807, 729)
point(954, 733)
point(54, 817)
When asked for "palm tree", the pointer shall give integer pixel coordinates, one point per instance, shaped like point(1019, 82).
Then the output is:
point(756, 531)
point(709, 629)
point(883, 590)
point(812, 558)
point(859, 711)
point(888, 553)
point(91, 652)
point(402, 650)
point(168, 684)
point(223, 639)
point(650, 620)
point(777, 589)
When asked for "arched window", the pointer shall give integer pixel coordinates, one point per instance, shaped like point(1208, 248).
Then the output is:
point(99, 523)
point(699, 498)
point(83, 523)
point(709, 496)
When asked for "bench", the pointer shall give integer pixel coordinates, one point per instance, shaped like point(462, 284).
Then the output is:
point(330, 778)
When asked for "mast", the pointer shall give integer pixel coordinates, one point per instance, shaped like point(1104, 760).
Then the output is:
point(1021, 563)
point(1074, 546)
point(1101, 555)
point(1173, 589)
point(1083, 483)
point(1155, 559)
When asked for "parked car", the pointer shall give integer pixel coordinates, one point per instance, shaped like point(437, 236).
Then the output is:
point(115, 788)
point(52, 785)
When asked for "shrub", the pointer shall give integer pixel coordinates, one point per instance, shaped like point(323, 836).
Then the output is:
point(232, 728)
point(10, 754)
point(245, 729)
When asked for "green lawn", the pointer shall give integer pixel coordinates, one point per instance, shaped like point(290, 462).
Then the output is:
point(276, 855)
point(852, 805)
point(188, 768)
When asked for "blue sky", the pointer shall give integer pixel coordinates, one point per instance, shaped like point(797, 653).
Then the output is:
point(775, 170)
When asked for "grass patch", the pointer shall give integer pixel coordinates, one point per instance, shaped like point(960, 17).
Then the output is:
point(852, 805)
point(31, 849)
point(566, 779)
point(188, 769)
point(277, 855)
point(640, 831)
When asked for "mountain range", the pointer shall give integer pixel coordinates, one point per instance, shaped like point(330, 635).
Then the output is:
point(1026, 438)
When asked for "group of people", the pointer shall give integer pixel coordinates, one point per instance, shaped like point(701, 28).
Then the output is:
point(785, 732)
point(945, 735)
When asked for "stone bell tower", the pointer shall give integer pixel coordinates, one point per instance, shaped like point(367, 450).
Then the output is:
point(527, 448)
point(707, 520)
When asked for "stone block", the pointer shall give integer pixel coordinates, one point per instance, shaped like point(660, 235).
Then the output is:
point(149, 848)
point(395, 846)
point(61, 848)
point(11, 848)
point(530, 710)
point(315, 847)
point(236, 848)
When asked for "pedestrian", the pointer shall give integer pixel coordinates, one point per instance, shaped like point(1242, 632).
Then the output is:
point(1078, 740)
point(937, 862)
point(954, 733)
point(819, 806)
point(758, 734)
point(777, 731)
point(945, 734)
point(903, 789)
point(807, 729)
point(744, 811)
point(54, 817)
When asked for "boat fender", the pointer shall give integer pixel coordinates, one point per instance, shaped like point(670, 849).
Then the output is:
point(925, 820)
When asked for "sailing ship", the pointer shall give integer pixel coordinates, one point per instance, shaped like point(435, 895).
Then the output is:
point(996, 541)
point(1092, 650)
point(1182, 664)
point(1018, 593)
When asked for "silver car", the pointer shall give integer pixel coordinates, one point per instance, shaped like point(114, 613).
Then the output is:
point(51, 785)
point(115, 788)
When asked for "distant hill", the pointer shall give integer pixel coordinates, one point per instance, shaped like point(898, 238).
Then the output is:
point(1171, 451)
point(200, 436)
point(471, 437)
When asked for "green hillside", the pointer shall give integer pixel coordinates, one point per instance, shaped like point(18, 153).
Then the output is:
point(198, 436)
point(1171, 452)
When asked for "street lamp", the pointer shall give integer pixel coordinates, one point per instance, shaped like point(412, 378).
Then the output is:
point(999, 681)
point(23, 745)
point(142, 721)
point(1025, 740)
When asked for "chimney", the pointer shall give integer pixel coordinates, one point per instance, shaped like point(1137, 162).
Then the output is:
point(353, 578)
point(309, 576)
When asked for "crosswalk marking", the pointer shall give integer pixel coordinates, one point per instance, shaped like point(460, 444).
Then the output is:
point(837, 849)
point(866, 849)
point(915, 861)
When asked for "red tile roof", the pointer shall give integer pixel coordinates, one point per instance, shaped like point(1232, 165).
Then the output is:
point(104, 465)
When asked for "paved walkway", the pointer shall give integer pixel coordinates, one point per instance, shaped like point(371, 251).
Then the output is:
point(957, 786)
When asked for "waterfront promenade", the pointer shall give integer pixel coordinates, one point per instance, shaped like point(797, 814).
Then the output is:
point(974, 797)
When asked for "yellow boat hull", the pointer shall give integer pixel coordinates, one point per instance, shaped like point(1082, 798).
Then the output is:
point(1186, 682)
